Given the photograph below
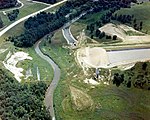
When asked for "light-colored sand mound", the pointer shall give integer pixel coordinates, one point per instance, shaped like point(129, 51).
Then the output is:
point(137, 39)
point(124, 59)
point(91, 81)
point(111, 29)
point(93, 57)
point(128, 28)
point(11, 61)
point(121, 30)
point(80, 99)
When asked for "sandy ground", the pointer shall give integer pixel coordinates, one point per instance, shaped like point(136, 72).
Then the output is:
point(11, 61)
point(99, 58)
point(91, 81)
point(126, 67)
point(92, 57)
point(120, 31)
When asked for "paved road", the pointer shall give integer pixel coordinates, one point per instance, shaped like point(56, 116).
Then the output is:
point(53, 85)
point(68, 36)
point(26, 17)
point(67, 33)
point(128, 56)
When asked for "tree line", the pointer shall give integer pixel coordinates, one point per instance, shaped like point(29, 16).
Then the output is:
point(47, 1)
point(22, 101)
point(13, 15)
point(43, 23)
point(138, 77)
point(113, 6)
point(8, 3)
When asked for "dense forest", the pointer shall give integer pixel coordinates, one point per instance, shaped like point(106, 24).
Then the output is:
point(43, 23)
point(7, 3)
point(47, 1)
point(21, 101)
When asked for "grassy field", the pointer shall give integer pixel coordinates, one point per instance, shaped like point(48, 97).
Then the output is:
point(141, 13)
point(45, 69)
point(46, 72)
point(110, 102)
point(81, 24)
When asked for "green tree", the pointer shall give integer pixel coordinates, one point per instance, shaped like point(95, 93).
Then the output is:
point(1, 22)
point(114, 37)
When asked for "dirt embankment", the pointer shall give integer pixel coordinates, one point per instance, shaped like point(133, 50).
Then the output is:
point(122, 31)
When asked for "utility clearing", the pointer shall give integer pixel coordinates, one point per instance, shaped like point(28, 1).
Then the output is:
point(12, 60)
point(121, 31)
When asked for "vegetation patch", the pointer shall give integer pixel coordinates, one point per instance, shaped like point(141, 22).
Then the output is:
point(80, 99)
point(140, 12)
point(138, 76)
point(8, 3)
point(21, 101)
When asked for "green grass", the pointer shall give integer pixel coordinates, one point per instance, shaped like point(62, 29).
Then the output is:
point(110, 102)
point(81, 24)
point(91, 18)
point(77, 28)
point(46, 72)
point(17, 30)
point(27, 9)
point(141, 13)
point(45, 69)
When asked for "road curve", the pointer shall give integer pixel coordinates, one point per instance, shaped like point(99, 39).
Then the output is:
point(50, 91)
point(67, 32)
point(30, 15)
